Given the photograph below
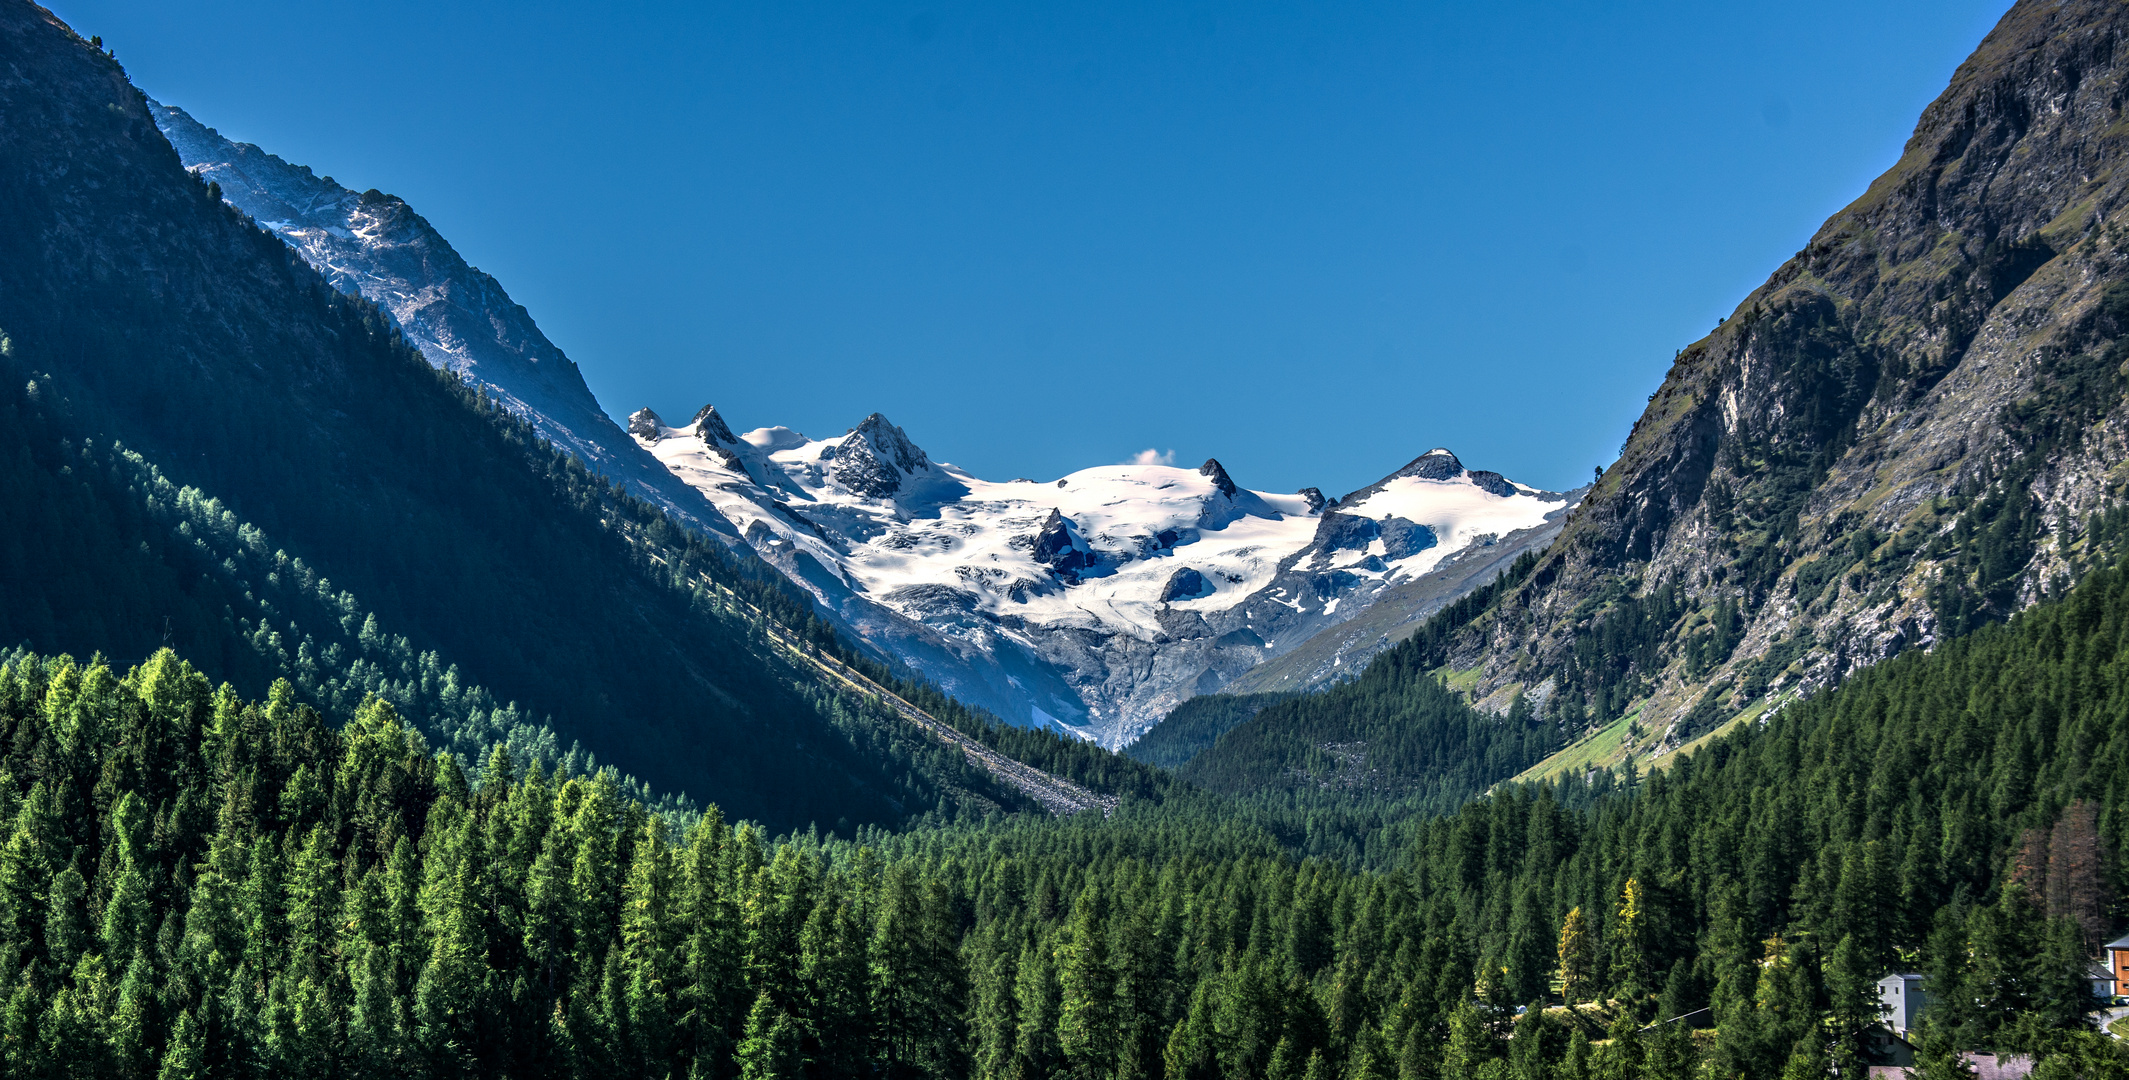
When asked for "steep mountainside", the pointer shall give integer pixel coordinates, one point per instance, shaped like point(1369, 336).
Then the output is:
point(1109, 596)
point(1904, 433)
point(204, 444)
point(1038, 638)
point(375, 246)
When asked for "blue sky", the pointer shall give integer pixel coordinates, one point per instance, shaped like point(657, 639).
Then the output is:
point(1312, 240)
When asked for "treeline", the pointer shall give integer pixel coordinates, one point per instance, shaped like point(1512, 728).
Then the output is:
point(1393, 735)
point(194, 885)
point(112, 548)
point(225, 455)
point(1078, 760)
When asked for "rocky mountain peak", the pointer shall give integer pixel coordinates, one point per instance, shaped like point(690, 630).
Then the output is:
point(1316, 501)
point(1435, 464)
point(1056, 548)
point(375, 245)
point(1219, 476)
point(1812, 480)
point(876, 458)
point(712, 428)
point(645, 424)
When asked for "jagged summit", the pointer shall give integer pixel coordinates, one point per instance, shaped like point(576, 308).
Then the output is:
point(376, 246)
point(712, 428)
point(876, 458)
point(645, 424)
point(1437, 464)
point(1220, 479)
point(1098, 601)
point(1058, 549)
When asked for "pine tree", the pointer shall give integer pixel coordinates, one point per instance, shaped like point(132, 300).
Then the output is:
point(1088, 1021)
point(1577, 956)
point(1629, 956)
point(709, 996)
point(835, 990)
point(769, 1049)
point(1039, 1000)
point(648, 944)
point(185, 1055)
point(1472, 1044)
point(66, 928)
point(1852, 995)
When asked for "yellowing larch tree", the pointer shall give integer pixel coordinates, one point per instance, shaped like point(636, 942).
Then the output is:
point(1577, 955)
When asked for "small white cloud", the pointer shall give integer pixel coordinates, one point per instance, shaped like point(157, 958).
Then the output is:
point(1150, 456)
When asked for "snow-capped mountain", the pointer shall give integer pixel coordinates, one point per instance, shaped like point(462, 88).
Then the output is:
point(1094, 604)
point(375, 246)
point(1111, 595)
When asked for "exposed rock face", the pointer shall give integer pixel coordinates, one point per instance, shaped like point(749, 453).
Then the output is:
point(1936, 355)
point(645, 424)
point(1220, 479)
point(1401, 538)
point(1345, 532)
point(1184, 584)
point(876, 458)
point(1436, 464)
point(1056, 548)
point(712, 428)
point(1493, 482)
point(717, 437)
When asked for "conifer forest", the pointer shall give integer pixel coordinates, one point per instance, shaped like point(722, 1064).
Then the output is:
point(361, 718)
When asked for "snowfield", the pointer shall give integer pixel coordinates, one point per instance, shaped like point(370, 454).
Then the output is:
point(1093, 605)
point(1204, 576)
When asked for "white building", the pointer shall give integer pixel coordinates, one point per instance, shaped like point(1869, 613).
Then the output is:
point(1901, 1001)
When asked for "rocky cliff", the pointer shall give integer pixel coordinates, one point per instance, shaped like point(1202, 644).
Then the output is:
point(1907, 430)
point(375, 246)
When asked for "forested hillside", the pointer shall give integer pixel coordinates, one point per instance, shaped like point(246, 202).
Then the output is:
point(1395, 733)
point(204, 445)
point(1908, 431)
point(314, 794)
point(1195, 725)
point(197, 885)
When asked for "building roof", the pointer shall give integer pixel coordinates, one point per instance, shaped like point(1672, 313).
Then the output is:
point(2117, 943)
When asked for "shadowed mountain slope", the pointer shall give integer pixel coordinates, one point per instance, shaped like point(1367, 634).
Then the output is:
point(206, 444)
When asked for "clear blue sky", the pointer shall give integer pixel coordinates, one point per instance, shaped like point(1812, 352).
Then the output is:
point(1312, 240)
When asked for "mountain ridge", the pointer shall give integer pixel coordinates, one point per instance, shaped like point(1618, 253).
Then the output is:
point(1104, 678)
point(1115, 592)
point(375, 246)
point(1902, 433)
point(220, 449)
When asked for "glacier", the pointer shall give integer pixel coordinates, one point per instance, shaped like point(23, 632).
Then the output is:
point(1126, 588)
point(1091, 605)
